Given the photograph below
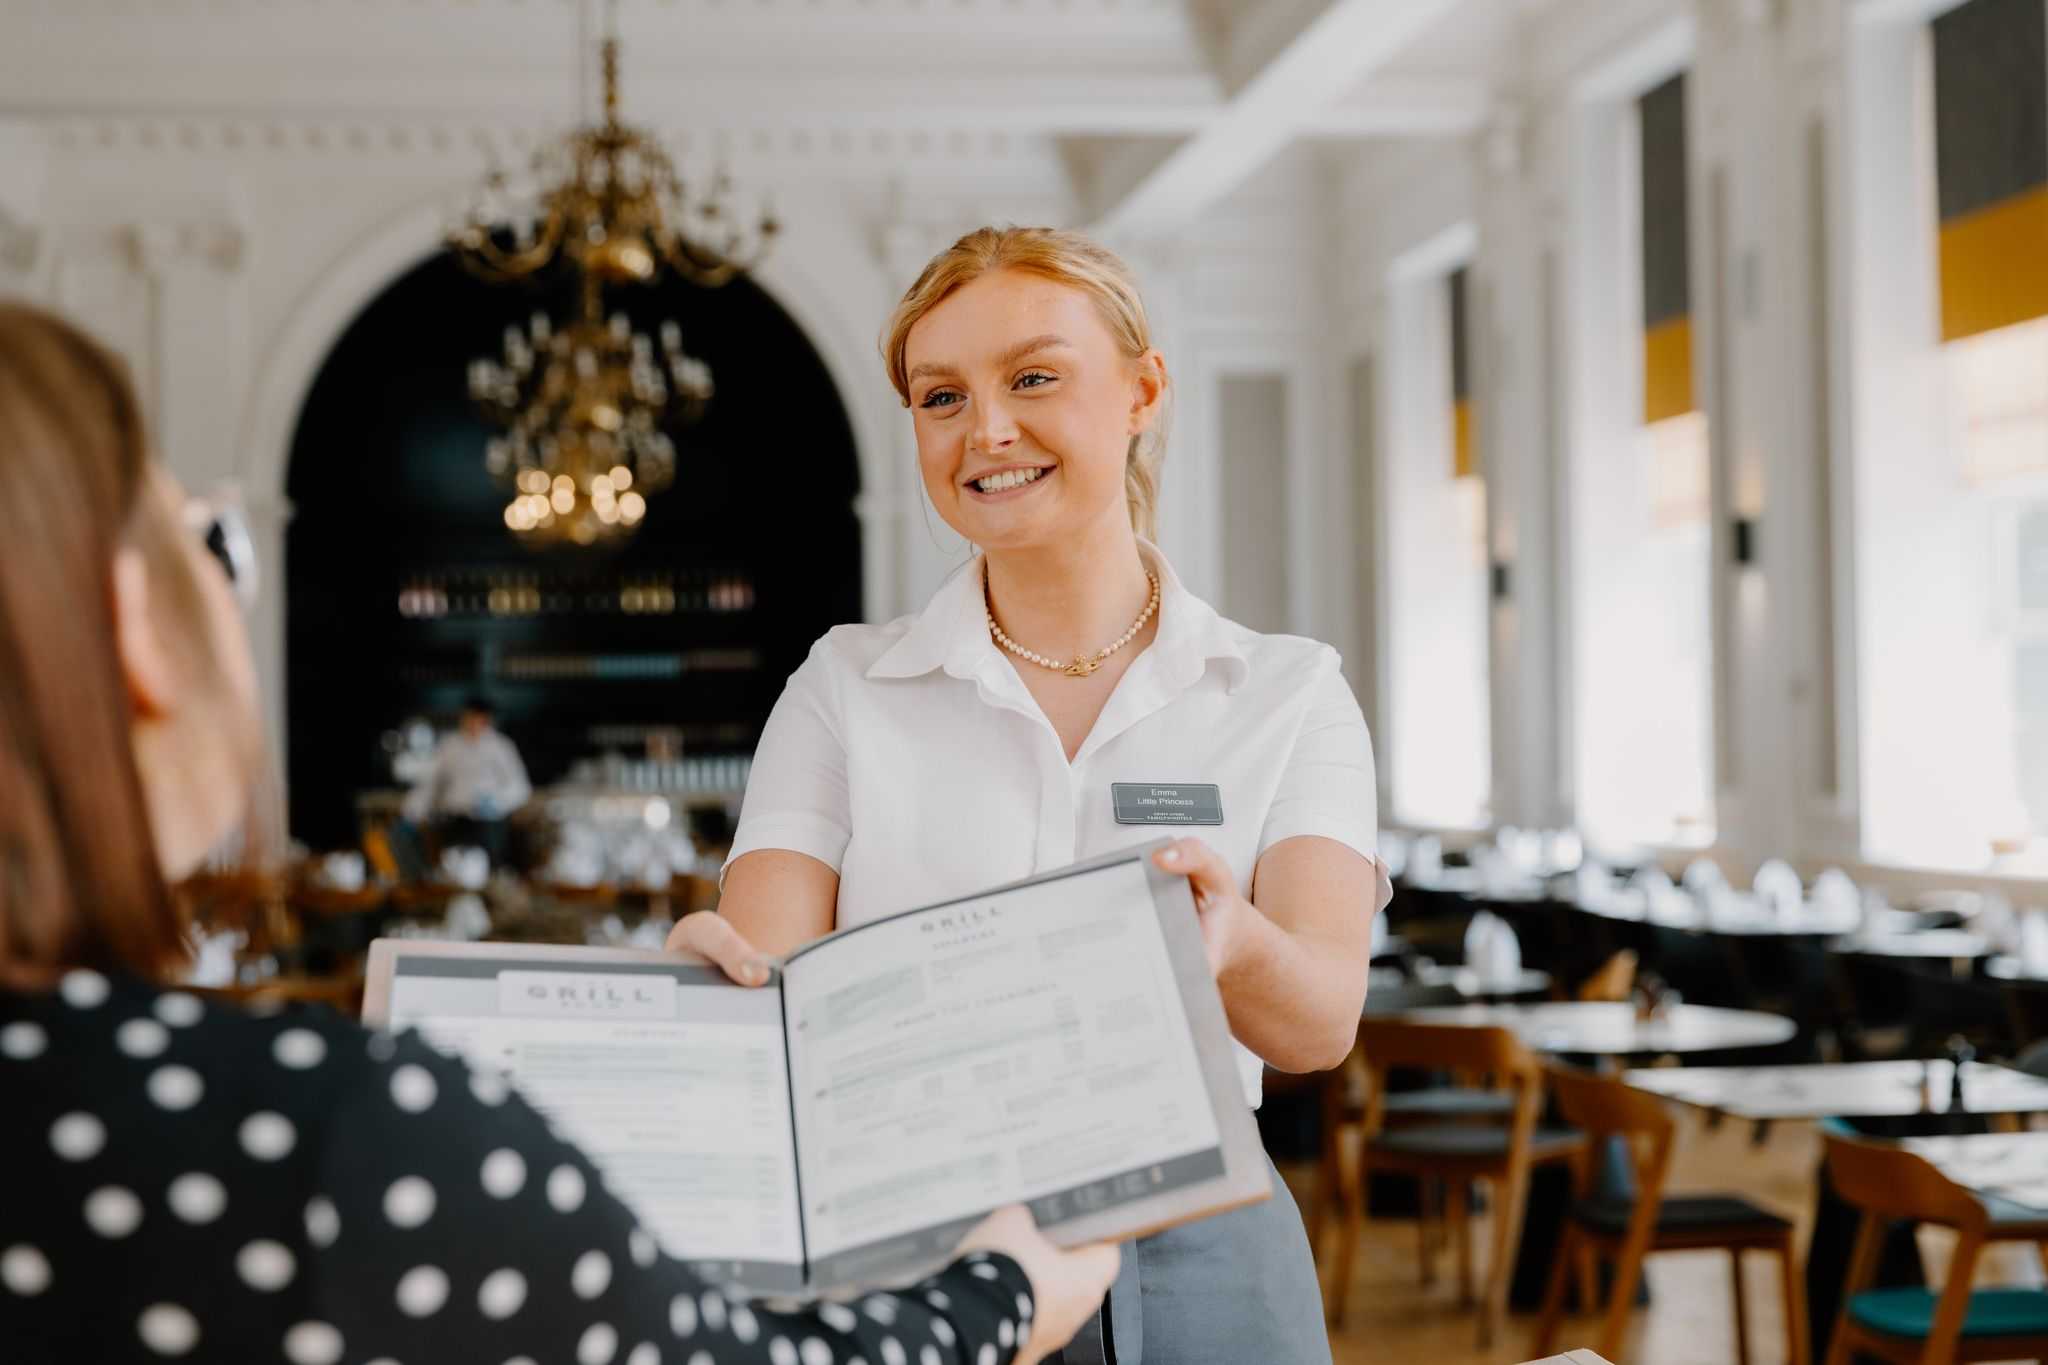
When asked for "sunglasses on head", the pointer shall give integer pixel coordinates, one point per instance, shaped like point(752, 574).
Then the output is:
point(217, 519)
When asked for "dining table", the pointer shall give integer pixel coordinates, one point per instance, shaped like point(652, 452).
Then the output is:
point(1617, 1029)
point(1887, 1089)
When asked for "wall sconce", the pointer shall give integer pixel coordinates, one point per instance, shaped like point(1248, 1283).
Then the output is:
point(1745, 541)
point(1498, 580)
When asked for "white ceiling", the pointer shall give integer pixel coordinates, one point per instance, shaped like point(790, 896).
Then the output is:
point(1153, 108)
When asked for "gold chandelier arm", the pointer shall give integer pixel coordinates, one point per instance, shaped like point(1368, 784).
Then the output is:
point(478, 249)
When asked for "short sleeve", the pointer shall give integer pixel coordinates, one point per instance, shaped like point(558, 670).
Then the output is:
point(796, 793)
point(1328, 788)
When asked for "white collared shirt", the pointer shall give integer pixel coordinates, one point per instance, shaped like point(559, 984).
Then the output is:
point(911, 759)
point(482, 777)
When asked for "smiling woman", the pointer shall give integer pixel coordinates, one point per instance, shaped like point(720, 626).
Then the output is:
point(982, 741)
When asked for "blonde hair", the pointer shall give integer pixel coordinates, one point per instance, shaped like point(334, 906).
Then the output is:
point(1067, 258)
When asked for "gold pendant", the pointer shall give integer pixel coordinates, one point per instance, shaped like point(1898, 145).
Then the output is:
point(1080, 668)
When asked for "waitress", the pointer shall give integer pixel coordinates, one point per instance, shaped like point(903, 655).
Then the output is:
point(978, 741)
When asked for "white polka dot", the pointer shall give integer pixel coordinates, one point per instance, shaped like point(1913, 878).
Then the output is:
point(943, 1330)
point(781, 1352)
point(179, 1010)
point(592, 1275)
point(881, 1310)
point(422, 1291)
point(265, 1266)
point(167, 1329)
point(83, 990)
point(504, 1173)
point(838, 1317)
point(489, 1088)
point(502, 1294)
point(682, 1315)
point(409, 1202)
point(1024, 1307)
point(23, 1041)
point(78, 1137)
point(642, 1247)
point(383, 1360)
point(413, 1088)
point(175, 1087)
point(197, 1198)
point(815, 1352)
point(713, 1306)
point(24, 1270)
point(1006, 1334)
point(982, 1270)
point(382, 1047)
point(892, 1352)
point(268, 1136)
point(565, 1189)
point(299, 1049)
point(112, 1211)
point(987, 1356)
point(929, 1356)
point(701, 1358)
point(743, 1324)
point(646, 1353)
point(520, 1360)
point(937, 1299)
point(313, 1343)
point(323, 1224)
point(599, 1343)
point(142, 1038)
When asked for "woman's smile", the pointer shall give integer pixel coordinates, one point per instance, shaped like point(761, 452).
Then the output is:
point(1008, 483)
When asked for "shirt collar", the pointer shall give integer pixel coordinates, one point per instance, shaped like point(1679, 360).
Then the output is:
point(951, 633)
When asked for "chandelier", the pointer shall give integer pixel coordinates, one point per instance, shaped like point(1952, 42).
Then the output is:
point(584, 403)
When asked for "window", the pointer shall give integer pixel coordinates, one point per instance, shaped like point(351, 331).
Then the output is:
point(1952, 449)
point(1440, 754)
point(1641, 608)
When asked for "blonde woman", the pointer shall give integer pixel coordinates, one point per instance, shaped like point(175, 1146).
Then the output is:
point(977, 741)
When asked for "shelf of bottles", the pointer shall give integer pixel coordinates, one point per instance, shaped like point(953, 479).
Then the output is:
point(473, 594)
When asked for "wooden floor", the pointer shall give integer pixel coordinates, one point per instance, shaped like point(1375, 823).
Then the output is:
point(1392, 1318)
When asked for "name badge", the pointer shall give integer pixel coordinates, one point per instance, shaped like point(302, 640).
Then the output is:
point(1146, 803)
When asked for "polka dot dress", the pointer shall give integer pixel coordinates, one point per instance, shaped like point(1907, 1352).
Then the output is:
point(189, 1183)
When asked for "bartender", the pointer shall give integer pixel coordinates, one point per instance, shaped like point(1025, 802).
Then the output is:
point(1022, 719)
point(475, 783)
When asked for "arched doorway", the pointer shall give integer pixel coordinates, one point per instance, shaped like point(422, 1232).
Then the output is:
point(397, 543)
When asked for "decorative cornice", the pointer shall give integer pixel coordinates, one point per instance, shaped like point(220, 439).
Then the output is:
point(153, 246)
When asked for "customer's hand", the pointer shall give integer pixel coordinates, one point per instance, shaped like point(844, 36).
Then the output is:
point(1066, 1286)
point(708, 935)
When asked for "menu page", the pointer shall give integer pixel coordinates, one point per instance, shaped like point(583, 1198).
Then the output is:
point(1026, 1045)
point(669, 1078)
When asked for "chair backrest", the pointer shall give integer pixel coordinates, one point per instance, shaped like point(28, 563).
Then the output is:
point(1613, 981)
point(1604, 1107)
point(1486, 1056)
point(1891, 1182)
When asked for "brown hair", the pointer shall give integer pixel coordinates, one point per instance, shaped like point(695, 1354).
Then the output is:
point(80, 883)
point(1070, 259)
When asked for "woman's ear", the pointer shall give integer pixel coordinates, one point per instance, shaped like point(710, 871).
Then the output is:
point(145, 663)
point(1148, 391)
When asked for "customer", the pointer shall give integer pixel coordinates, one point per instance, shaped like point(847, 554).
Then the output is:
point(477, 780)
point(189, 1182)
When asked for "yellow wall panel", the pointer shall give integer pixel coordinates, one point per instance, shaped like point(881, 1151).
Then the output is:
point(1667, 370)
point(1462, 466)
point(1994, 266)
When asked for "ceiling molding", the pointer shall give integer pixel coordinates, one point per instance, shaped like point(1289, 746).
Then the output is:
point(1334, 51)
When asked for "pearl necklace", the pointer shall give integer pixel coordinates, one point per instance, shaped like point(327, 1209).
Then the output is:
point(1082, 664)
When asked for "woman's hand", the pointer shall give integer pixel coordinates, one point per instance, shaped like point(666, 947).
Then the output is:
point(1066, 1286)
point(1227, 917)
point(708, 935)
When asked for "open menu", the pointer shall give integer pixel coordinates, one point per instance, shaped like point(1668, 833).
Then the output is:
point(1057, 1042)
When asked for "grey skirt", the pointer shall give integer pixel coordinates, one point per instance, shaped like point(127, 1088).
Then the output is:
point(1237, 1289)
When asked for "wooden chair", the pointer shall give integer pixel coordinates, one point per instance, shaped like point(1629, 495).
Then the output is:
point(1452, 1152)
point(1613, 980)
point(1917, 1326)
point(342, 991)
point(1607, 1109)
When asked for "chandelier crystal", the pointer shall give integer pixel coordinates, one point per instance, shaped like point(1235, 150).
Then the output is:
point(583, 408)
